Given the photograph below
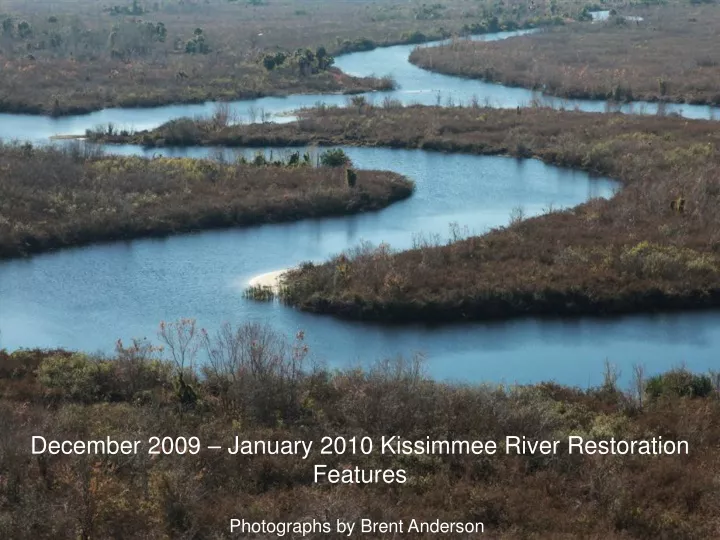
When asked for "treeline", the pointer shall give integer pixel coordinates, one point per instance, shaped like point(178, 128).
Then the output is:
point(668, 56)
point(653, 246)
point(73, 195)
point(252, 382)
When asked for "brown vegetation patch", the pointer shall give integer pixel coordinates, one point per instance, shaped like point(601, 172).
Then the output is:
point(671, 55)
point(51, 198)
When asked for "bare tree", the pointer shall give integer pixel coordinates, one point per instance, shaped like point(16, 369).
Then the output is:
point(222, 115)
point(255, 370)
point(638, 383)
point(181, 339)
point(611, 375)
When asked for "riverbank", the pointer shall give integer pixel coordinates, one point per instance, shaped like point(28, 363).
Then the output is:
point(136, 393)
point(266, 286)
point(652, 247)
point(88, 197)
point(669, 56)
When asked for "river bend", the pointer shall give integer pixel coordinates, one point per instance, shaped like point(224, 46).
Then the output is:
point(86, 298)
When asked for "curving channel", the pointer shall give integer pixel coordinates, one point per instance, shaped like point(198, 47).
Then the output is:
point(87, 298)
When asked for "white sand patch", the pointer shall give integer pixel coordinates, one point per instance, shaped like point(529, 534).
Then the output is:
point(269, 279)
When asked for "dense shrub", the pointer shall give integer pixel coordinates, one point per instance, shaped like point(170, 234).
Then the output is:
point(86, 379)
point(334, 158)
point(76, 377)
point(678, 383)
point(257, 384)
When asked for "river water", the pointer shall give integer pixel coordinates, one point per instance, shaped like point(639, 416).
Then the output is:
point(87, 298)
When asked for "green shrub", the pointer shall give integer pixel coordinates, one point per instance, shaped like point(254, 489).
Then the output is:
point(79, 377)
point(75, 377)
point(21, 363)
point(413, 37)
point(679, 382)
point(334, 158)
point(647, 259)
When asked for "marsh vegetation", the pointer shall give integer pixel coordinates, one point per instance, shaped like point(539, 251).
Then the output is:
point(77, 56)
point(671, 55)
point(653, 246)
point(73, 195)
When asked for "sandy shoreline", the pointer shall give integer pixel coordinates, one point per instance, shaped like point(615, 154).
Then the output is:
point(269, 279)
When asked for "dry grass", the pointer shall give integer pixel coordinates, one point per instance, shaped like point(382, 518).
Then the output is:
point(52, 198)
point(670, 56)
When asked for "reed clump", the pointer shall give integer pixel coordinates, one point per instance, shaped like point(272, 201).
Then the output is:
point(260, 293)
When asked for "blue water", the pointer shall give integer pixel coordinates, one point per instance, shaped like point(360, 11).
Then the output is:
point(86, 298)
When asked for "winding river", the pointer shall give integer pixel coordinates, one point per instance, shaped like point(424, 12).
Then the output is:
point(87, 298)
